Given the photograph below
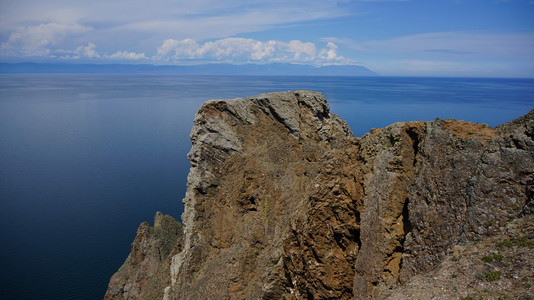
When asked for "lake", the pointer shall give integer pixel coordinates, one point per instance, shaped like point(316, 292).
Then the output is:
point(84, 159)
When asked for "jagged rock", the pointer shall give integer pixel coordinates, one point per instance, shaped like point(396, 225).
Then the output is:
point(433, 185)
point(241, 199)
point(145, 273)
point(283, 203)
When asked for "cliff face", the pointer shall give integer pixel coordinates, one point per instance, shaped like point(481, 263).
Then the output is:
point(282, 201)
point(145, 273)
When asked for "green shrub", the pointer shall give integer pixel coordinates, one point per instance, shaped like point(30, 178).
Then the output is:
point(492, 276)
point(521, 242)
point(487, 258)
point(505, 243)
point(490, 258)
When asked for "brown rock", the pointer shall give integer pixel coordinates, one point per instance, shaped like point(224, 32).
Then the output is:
point(145, 273)
point(283, 203)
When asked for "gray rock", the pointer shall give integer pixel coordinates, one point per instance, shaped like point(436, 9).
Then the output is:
point(283, 202)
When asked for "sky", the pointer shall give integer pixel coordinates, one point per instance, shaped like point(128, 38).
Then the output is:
point(473, 38)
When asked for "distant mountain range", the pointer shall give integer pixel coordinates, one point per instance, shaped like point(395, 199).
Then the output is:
point(205, 69)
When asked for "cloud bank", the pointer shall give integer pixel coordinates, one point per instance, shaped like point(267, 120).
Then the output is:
point(135, 21)
point(38, 40)
point(185, 51)
point(243, 50)
point(316, 32)
point(164, 31)
point(125, 55)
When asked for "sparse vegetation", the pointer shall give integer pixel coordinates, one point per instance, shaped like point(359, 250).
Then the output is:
point(505, 243)
point(520, 242)
point(487, 258)
point(490, 276)
point(483, 270)
point(392, 140)
point(490, 258)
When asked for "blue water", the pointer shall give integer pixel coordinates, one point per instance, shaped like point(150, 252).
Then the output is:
point(85, 158)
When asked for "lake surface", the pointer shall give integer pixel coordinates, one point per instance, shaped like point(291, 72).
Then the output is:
point(84, 159)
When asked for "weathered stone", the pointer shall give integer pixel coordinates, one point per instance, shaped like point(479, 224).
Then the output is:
point(145, 272)
point(465, 272)
point(239, 203)
point(283, 203)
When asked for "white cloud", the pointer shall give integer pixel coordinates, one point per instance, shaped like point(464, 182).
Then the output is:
point(186, 48)
point(126, 55)
point(116, 21)
point(302, 50)
point(37, 40)
point(330, 53)
point(82, 52)
point(243, 50)
point(87, 51)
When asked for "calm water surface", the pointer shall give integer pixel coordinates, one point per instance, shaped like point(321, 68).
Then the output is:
point(85, 158)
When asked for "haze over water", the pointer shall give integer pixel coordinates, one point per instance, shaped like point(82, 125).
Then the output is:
point(84, 159)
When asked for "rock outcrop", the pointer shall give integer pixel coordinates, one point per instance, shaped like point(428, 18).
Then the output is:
point(145, 273)
point(283, 202)
point(495, 267)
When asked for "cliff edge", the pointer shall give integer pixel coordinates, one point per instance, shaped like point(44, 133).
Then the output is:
point(283, 202)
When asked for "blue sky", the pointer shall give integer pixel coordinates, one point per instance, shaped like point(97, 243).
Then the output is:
point(489, 38)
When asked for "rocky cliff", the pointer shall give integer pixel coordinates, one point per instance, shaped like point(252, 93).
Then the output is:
point(283, 202)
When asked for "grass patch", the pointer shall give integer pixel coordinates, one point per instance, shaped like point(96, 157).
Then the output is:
point(487, 258)
point(505, 243)
point(490, 276)
point(520, 242)
point(490, 258)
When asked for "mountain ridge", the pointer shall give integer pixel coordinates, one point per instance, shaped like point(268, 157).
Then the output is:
point(277, 69)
